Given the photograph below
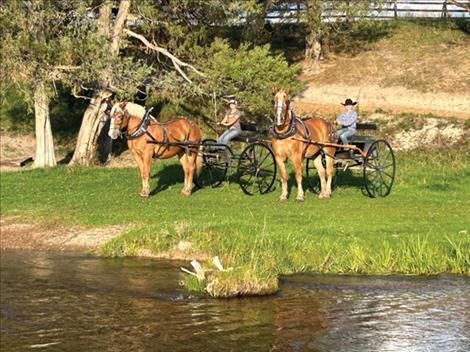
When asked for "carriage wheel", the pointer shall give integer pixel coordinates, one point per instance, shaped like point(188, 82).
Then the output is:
point(215, 163)
point(379, 169)
point(256, 169)
point(313, 179)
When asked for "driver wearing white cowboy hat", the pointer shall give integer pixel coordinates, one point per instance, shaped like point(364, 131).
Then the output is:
point(232, 122)
point(347, 119)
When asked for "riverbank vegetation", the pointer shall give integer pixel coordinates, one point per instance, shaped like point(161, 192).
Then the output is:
point(421, 228)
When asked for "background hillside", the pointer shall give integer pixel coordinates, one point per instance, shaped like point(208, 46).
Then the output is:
point(411, 67)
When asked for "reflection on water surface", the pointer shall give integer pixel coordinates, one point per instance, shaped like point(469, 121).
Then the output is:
point(58, 302)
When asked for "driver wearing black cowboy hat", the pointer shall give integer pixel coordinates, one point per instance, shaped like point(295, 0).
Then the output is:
point(347, 119)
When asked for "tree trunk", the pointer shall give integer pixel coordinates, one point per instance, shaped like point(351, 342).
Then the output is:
point(93, 121)
point(44, 142)
point(94, 118)
point(313, 47)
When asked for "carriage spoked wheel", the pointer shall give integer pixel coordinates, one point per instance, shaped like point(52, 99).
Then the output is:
point(215, 163)
point(379, 169)
point(256, 169)
point(313, 180)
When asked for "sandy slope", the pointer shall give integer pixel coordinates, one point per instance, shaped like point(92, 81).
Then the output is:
point(17, 234)
point(325, 99)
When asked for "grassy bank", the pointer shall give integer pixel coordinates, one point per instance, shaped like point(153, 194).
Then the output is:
point(421, 228)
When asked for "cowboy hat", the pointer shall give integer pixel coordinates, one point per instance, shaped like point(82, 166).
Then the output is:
point(349, 102)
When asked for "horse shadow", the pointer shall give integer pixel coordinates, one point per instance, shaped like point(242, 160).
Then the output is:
point(349, 179)
point(342, 179)
point(166, 177)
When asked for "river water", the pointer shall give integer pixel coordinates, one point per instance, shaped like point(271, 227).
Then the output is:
point(65, 302)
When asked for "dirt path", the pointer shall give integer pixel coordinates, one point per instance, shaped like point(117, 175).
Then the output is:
point(16, 234)
point(325, 99)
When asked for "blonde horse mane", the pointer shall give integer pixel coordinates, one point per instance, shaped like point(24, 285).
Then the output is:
point(135, 110)
point(132, 109)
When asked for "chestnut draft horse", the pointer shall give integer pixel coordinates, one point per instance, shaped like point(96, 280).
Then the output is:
point(291, 137)
point(178, 136)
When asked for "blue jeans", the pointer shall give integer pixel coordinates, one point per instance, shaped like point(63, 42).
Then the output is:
point(228, 135)
point(345, 133)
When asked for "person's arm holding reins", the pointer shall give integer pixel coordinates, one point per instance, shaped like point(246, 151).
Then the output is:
point(229, 120)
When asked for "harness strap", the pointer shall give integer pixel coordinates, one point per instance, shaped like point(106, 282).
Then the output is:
point(305, 135)
point(142, 127)
point(290, 132)
point(164, 143)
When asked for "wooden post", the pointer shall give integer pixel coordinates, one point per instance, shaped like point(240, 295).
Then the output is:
point(395, 9)
point(444, 9)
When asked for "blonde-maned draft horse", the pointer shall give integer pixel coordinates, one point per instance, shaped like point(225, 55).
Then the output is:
point(296, 139)
point(177, 137)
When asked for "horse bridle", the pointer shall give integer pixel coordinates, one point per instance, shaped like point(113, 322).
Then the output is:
point(284, 108)
point(123, 115)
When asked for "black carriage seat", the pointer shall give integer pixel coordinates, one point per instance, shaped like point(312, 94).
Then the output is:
point(248, 132)
point(366, 126)
point(361, 141)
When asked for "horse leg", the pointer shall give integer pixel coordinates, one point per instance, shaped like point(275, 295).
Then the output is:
point(321, 174)
point(298, 177)
point(147, 163)
point(186, 191)
point(140, 164)
point(329, 169)
point(282, 172)
point(192, 166)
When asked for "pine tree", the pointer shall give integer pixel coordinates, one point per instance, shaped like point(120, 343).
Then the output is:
point(38, 41)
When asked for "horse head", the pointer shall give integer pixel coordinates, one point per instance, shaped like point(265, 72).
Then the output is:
point(119, 119)
point(281, 105)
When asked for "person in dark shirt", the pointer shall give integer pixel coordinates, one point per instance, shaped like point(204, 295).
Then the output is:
point(232, 122)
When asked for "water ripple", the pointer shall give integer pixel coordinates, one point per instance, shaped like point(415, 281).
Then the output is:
point(61, 302)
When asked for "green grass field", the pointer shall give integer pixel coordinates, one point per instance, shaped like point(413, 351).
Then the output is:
point(423, 227)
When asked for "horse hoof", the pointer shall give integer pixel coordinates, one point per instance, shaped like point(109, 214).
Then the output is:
point(144, 194)
point(300, 200)
point(185, 193)
point(282, 200)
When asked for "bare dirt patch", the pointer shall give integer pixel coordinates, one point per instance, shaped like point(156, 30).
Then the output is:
point(326, 99)
point(17, 234)
point(183, 250)
point(14, 150)
point(122, 161)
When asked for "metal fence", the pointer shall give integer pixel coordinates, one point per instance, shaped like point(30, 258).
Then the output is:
point(384, 10)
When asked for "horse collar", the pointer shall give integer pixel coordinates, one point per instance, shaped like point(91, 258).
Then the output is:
point(290, 132)
point(142, 128)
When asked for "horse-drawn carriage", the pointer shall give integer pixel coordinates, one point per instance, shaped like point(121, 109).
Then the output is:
point(371, 157)
point(255, 164)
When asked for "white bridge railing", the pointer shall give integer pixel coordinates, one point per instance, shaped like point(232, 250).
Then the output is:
point(290, 12)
